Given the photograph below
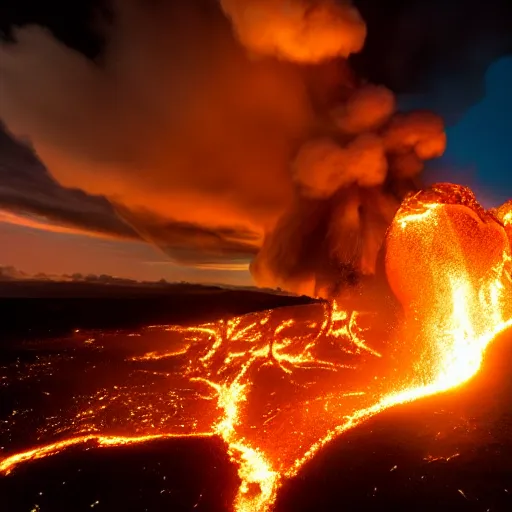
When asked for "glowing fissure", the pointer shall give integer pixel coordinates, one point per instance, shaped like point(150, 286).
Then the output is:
point(9, 463)
point(281, 388)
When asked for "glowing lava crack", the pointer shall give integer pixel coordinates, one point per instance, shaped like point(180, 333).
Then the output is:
point(269, 383)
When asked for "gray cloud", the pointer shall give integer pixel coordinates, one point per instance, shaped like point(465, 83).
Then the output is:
point(27, 189)
point(188, 243)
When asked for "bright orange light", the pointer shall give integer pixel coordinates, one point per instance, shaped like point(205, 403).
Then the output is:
point(273, 379)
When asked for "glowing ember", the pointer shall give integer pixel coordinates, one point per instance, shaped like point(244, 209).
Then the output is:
point(269, 384)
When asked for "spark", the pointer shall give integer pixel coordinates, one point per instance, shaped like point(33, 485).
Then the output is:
point(431, 458)
point(156, 356)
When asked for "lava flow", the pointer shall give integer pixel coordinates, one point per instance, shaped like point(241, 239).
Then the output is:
point(278, 386)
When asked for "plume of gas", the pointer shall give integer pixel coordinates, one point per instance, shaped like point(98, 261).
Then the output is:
point(305, 31)
point(175, 122)
point(350, 187)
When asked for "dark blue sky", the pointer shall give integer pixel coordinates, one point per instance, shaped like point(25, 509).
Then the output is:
point(479, 151)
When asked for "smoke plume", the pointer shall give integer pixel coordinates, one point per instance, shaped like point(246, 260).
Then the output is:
point(299, 30)
point(243, 120)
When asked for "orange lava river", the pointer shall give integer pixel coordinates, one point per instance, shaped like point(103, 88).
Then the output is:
point(278, 386)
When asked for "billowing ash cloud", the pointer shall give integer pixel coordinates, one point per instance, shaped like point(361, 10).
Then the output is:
point(254, 132)
point(298, 30)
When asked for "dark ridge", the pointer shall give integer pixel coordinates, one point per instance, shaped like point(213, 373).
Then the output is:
point(31, 309)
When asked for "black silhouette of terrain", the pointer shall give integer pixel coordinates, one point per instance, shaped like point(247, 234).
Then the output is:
point(31, 309)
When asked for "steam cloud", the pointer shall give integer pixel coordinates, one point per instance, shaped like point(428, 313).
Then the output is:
point(257, 132)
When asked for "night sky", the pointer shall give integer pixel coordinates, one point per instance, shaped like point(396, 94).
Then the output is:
point(433, 57)
point(479, 145)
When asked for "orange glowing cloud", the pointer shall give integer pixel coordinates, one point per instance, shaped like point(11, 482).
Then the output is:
point(297, 30)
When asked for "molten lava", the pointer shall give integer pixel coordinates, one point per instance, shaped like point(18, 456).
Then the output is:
point(278, 386)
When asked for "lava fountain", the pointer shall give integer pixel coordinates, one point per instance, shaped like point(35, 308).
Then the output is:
point(278, 386)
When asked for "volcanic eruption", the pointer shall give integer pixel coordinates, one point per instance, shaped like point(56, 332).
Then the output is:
point(278, 386)
point(313, 174)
